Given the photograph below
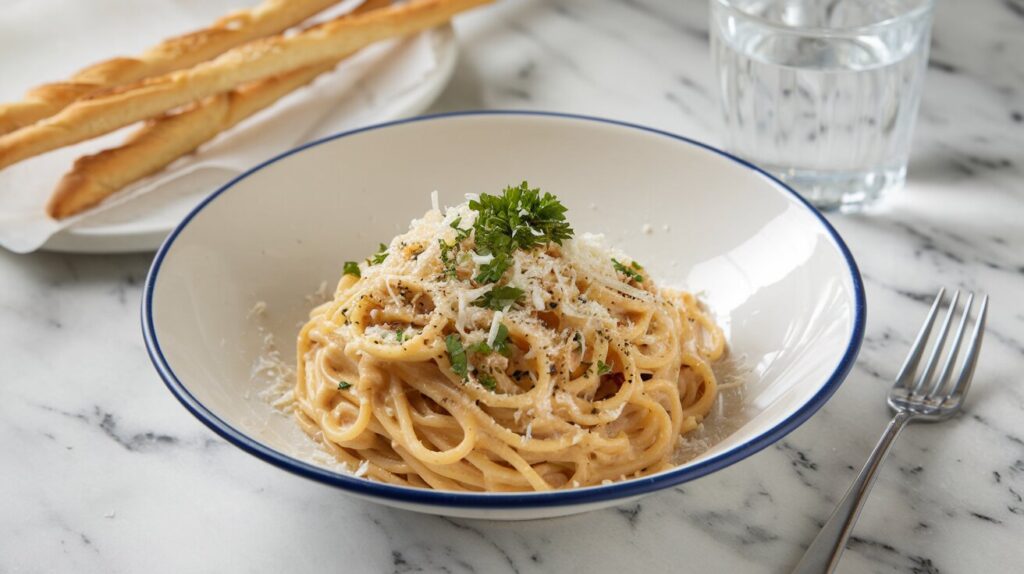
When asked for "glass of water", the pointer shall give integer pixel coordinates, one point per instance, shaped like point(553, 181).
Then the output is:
point(823, 93)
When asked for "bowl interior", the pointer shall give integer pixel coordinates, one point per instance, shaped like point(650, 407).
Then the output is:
point(766, 264)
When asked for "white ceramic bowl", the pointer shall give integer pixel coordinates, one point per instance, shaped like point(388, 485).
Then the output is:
point(773, 270)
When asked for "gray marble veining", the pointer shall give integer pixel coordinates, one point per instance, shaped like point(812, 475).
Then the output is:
point(104, 472)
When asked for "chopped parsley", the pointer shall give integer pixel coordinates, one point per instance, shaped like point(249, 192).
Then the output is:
point(519, 218)
point(488, 382)
point(602, 368)
point(450, 251)
point(500, 343)
point(400, 335)
point(344, 385)
point(457, 355)
point(499, 298)
point(481, 348)
point(632, 272)
point(460, 233)
point(379, 256)
point(448, 256)
point(352, 268)
point(492, 271)
point(501, 340)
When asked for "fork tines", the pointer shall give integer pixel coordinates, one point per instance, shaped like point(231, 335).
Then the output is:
point(926, 385)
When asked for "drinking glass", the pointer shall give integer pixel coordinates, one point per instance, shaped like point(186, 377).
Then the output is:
point(823, 94)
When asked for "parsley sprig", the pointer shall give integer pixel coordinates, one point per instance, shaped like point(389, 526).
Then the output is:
point(450, 251)
point(519, 218)
point(488, 382)
point(352, 268)
point(378, 257)
point(499, 298)
point(632, 272)
point(500, 343)
point(457, 355)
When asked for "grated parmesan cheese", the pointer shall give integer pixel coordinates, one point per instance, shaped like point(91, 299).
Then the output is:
point(364, 467)
point(321, 295)
point(460, 317)
point(257, 310)
point(481, 259)
point(538, 297)
point(378, 331)
point(269, 371)
point(391, 292)
point(495, 323)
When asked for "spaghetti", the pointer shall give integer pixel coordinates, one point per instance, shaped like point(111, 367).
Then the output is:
point(466, 357)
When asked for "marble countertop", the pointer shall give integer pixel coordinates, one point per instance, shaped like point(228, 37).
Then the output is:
point(103, 471)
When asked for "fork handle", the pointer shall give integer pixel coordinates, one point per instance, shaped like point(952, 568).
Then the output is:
point(824, 552)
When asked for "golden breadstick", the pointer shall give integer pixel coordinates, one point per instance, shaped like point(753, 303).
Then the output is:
point(116, 108)
point(162, 140)
point(271, 17)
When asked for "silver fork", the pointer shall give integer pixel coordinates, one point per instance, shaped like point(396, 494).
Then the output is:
point(926, 397)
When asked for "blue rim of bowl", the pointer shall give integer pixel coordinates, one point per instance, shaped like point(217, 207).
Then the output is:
point(441, 499)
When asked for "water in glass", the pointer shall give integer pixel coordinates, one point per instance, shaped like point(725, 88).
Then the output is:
point(822, 94)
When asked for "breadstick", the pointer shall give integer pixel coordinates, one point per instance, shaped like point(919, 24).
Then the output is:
point(163, 140)
point(116, 108)
point(271, 17)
